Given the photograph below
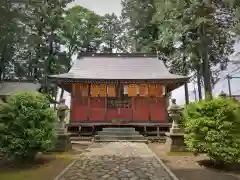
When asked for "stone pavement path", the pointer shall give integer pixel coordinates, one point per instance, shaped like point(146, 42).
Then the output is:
point(116, 161)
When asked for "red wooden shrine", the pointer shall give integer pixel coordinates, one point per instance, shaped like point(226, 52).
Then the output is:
point(123, 89)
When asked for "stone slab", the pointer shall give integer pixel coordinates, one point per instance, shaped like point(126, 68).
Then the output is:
point(113, 140)
point(118, 133)
point(117, 161)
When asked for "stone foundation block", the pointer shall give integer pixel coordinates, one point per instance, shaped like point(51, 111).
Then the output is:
point(63, 143)
point(175, 142)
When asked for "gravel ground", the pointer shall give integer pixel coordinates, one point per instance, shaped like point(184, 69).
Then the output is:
point(186, 167)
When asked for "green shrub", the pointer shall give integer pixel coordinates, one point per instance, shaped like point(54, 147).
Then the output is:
point(213, 127)
point(27, 124)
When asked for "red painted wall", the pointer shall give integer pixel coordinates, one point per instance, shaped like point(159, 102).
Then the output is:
point(158, 109)
point(79, 109)
point(142, 110)
point(97, 109)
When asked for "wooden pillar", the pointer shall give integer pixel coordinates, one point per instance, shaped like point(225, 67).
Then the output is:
point(73, 99)
point(105, 108)
point(133, 107)
point(158, 132)
point(93, 128)
point(89, 102)
point(145, 131)
point(166, 103)
point(149, 104)
point(79, 130)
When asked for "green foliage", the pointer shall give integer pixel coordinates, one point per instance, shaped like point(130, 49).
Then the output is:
point(142, 32)
point(27, 123)
point(80, 30)
point(111, 28)
point(202, 30)
point(195, 36)
point(212, 127)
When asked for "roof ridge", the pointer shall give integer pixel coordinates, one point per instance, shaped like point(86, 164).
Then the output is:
point(129, 55)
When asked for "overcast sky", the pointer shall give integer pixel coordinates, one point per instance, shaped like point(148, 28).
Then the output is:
point(101, 6)
point(114, 6)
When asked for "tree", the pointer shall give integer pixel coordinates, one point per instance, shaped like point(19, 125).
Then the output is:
point(212, 127)
point(42, 53)
point(80, 32)
point(137, 16)
point(10, 36)
point(111, 32)
point(235, 6)
point(27, 123)
point(201, 29)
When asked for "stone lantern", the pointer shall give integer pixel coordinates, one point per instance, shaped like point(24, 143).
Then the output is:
point(175, 138)
point(62, 112)
point(175, 111)
point(63, 142)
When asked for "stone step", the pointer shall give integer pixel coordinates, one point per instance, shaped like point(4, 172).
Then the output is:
point(119, 129)
point(118, 133)
point(122, 137)
point(130, 140)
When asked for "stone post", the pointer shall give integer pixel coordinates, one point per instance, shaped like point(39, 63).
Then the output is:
point(63, 140)
point(175, 138)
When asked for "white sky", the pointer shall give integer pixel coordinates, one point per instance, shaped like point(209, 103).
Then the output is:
point(114, 6)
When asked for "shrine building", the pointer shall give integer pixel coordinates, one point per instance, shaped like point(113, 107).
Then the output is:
point(118, 89)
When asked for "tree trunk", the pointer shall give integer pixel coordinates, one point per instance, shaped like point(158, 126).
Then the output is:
point(1, 69)
point(185, 70)
point(199, 87)
point(206, 77)
point(206, 65)
point(62, 93)
point(50, 55)
point(38, 53)
point(186, 93)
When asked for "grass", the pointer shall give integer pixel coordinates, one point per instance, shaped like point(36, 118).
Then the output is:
point(45, 167)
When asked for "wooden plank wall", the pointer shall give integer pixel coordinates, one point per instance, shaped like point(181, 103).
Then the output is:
point(141, 110)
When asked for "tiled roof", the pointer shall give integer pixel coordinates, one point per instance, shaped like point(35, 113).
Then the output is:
point(118, 67)
point(10, 88)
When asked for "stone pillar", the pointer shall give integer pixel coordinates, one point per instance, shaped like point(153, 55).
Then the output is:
point(175, 138)
point(63, 142)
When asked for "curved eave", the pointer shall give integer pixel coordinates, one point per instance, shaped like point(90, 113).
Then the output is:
point(65, 83)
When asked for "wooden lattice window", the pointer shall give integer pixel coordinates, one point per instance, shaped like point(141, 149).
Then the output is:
point(113, 102)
